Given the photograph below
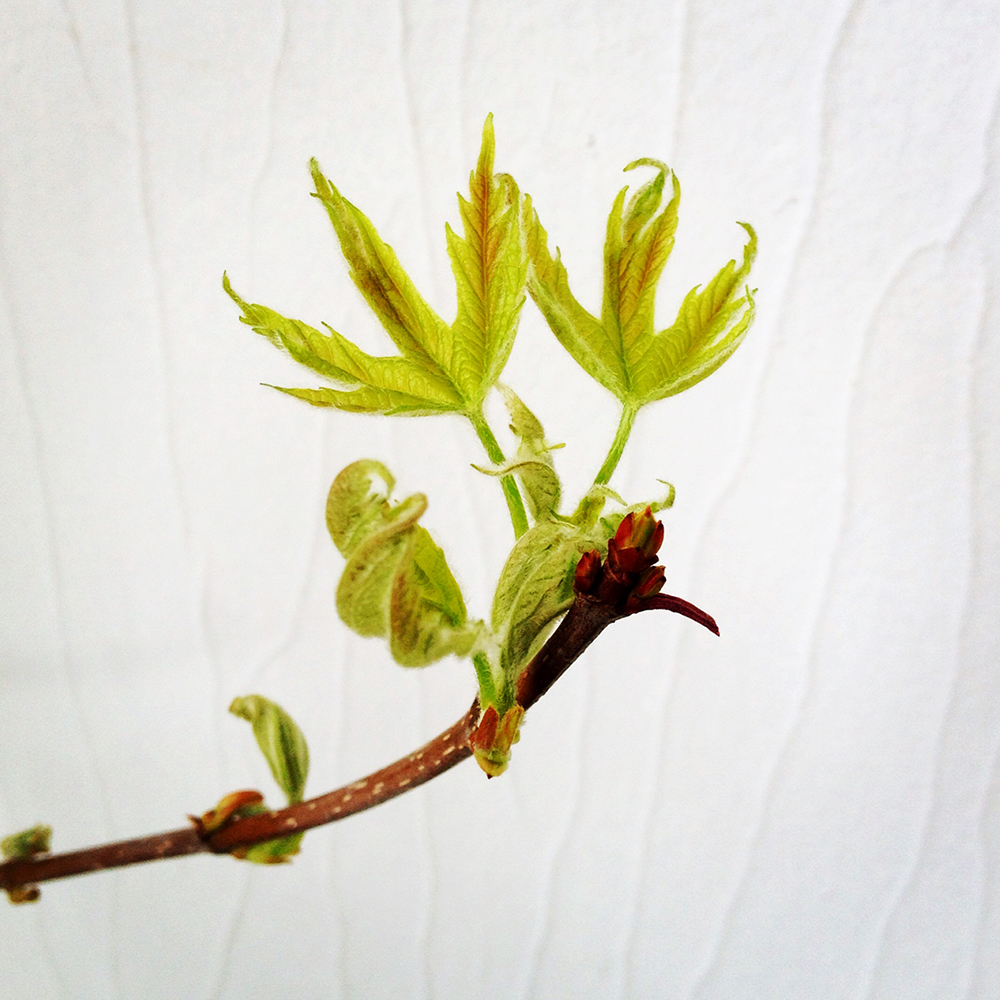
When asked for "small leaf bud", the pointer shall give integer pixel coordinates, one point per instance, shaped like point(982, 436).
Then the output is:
point(588, 572)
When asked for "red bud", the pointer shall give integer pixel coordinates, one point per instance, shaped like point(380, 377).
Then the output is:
point(588, 572)
point(651, 582)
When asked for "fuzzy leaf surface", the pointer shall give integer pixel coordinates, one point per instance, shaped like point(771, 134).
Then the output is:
point(281, 741)
point(397, 583)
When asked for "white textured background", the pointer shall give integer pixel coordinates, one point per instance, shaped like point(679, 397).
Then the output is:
point(806, 808)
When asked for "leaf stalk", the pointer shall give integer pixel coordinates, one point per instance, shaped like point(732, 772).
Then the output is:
point(629, 410)
point(515, 505)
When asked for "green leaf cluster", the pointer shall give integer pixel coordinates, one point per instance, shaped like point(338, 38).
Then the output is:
point(396, 583)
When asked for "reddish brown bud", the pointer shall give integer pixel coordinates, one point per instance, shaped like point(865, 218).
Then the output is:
point(623, 536)
point(228, 808)
point(588, 572)
point(486, 731)
point(623, 559)
point(492, 740)
point(651, 582)
point(640, 534)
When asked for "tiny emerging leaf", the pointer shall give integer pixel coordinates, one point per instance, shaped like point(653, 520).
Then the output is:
point(27, 843)
point(280, 740)
point(533, 464)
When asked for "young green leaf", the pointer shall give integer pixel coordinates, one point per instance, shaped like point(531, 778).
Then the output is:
point(439, 368)
point(393, 385)
point(535, 588)
point(490, 266)
point(280, 740)
point(397, 583)
point(622, 351)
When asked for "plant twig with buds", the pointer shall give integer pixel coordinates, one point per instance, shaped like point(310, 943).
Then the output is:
point(567, 577)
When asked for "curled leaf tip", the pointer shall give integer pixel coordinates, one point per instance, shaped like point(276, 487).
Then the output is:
point(647, 161)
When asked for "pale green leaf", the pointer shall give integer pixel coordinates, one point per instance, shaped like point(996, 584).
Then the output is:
point(577, 330)
point(622, 351)
point(535, 588)
point(365, 587)
point(280, 740)
point(397, 583)
point(441, 368)
point(384, 385)
point(710, 326)
point(419, 333)
point(490, 265)
point(635, 258)
point(427, 613)
point(358, 504)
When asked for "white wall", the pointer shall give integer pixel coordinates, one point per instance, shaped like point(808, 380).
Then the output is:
point(808, 807)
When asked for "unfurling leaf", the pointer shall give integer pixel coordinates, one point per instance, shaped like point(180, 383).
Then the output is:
point(280, 740)
point(440, 367)
point(533, 464)
point(287, 754)
point(621, 350)
point(397, 583)
point(239, 805)
point(536, 588)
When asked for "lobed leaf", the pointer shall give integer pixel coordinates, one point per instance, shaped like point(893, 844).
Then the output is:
point(440, 367)
point(490, 266)
point(582, 334)
point(622, 351)
point(383, 385)
point(419, 333)
point(709, 327)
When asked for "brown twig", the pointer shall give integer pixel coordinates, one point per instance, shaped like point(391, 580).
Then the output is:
point(607, 593)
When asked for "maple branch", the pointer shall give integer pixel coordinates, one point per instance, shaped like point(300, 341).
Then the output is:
point(583, 623)
point(605, 593)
